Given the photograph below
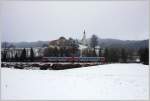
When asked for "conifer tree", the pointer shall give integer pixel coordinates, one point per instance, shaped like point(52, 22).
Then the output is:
point(16, 57)
point(31, 55)
point(144, 55)
point(106, 55)
point(123, 55)
point(23, 56)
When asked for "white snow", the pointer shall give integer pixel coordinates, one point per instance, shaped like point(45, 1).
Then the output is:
point(103, 82)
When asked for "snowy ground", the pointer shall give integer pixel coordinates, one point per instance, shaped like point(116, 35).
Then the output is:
point(103, 82)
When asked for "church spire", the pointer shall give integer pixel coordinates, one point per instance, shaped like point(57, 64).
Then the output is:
point(84, 38)
point(84, 32)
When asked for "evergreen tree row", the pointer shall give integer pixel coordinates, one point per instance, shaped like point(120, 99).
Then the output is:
point(19, 58)
point(144, 56)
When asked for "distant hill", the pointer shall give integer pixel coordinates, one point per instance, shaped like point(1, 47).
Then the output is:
point(114, 43)
point(111, 43)
point(26, 44)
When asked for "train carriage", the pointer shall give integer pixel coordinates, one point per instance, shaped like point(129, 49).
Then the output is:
point(73, 59)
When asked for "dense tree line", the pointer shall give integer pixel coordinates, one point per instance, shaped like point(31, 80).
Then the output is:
point(114, 55)
point(18, 58)
point(111, 55)
point(144, 55)
point(61, 51)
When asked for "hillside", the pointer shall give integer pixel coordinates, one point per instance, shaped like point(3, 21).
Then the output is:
point(123, 43)
point(111, 43)
point(103, 82)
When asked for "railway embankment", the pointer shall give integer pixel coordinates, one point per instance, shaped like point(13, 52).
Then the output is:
point(45, 65)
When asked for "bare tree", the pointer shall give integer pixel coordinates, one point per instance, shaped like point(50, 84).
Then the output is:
point(94, 42)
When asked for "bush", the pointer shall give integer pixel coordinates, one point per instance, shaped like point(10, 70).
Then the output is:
point(65, 66)
point(45, 67)
point(2, 65)
point(35, 65)
point(5, 65)
point(18, 67)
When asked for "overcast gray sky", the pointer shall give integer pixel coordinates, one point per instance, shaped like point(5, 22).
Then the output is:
point(48, 20)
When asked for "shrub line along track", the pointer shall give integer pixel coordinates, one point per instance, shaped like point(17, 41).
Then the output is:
point(48, 65)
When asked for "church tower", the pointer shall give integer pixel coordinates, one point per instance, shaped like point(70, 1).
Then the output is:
point(83, 41)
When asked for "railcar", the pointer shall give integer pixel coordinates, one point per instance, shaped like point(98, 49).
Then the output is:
point(73, 59)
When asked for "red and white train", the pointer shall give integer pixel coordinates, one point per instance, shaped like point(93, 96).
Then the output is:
point(74, 59)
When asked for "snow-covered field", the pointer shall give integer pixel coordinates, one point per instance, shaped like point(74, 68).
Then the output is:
point(103, 82)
